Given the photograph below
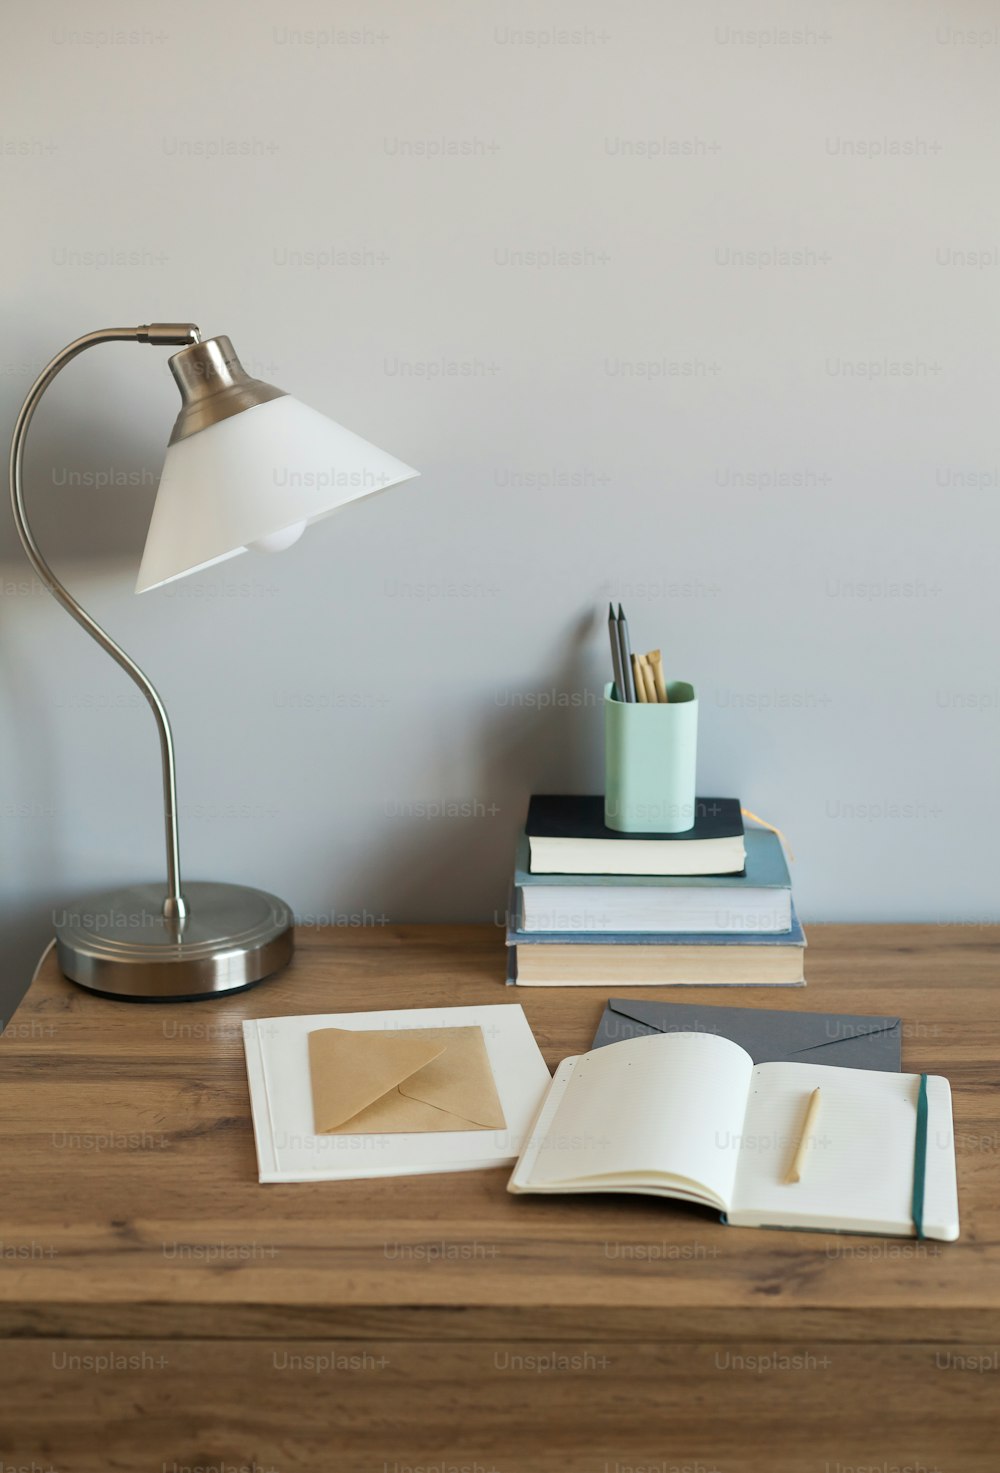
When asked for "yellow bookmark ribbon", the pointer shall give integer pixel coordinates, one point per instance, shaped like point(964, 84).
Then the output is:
point(774, 830)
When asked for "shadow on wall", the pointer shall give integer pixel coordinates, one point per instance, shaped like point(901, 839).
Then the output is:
point(545, 739)
point(89, 487)
point(25, 936)
point(31, 843)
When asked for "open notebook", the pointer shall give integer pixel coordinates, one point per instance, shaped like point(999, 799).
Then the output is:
point(689, 1115)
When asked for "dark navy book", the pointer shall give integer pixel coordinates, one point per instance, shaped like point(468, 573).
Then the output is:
point(567, 835)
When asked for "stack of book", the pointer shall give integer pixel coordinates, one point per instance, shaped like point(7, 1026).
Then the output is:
point(595, 907)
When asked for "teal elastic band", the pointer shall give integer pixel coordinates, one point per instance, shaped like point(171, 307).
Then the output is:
point(920, 1158)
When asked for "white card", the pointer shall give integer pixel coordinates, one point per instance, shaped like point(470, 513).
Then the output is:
point(288, 1149)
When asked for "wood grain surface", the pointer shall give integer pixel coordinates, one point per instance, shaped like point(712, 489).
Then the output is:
point(133, 1230)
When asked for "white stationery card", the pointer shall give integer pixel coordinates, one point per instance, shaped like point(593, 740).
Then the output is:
point(288, 1145)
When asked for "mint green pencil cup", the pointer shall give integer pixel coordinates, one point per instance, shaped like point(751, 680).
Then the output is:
point(650, 755)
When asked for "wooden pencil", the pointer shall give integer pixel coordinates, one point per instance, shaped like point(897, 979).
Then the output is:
point(656, 665)
point(805, 1139)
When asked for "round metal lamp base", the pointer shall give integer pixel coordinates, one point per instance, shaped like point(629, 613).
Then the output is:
point(121, 945)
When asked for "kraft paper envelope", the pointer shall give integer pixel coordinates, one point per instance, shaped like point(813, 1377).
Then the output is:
point(413, 1079)
point(852, 1040)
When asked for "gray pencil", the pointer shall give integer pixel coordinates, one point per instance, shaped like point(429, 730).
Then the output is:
point(625, 655)
point(616, 655)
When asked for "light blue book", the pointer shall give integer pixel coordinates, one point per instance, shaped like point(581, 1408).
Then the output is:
point(644, 959)
point(758, 900)
point(793, 936)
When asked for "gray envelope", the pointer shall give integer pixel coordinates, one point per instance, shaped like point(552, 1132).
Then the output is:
point(849, 1040)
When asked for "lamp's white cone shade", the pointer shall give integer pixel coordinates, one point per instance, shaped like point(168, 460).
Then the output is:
point(251, 478)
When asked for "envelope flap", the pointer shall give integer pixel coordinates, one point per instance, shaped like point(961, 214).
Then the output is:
point(648, 1017)
point(459, 1080)
point(827, 1030)
point(349, 1069)
point(767, 1034)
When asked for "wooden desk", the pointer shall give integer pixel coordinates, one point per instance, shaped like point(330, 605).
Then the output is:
point(159, 1308)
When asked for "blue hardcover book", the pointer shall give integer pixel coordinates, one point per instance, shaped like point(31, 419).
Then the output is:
point(586, 959)
point(758, 899)
point(794, 936)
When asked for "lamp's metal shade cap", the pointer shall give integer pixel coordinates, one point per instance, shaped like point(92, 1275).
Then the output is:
point(251, 477)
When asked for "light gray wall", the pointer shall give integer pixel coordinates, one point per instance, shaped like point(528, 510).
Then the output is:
point(520, 261)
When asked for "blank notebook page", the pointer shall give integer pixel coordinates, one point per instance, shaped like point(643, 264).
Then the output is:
point(672, 1103)
point(859, 1170)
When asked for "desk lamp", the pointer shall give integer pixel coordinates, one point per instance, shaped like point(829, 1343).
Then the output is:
point(247, 466)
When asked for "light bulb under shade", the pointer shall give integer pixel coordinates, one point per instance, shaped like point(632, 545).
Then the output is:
point(279, 541)
point(250, 478)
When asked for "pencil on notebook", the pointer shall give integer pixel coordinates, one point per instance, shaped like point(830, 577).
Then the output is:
point(805, 1139)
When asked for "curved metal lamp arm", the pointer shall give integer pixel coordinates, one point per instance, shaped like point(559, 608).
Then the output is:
point(162, 334)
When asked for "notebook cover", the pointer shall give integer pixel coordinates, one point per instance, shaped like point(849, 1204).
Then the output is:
point(765, 869)
point(572, 816)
